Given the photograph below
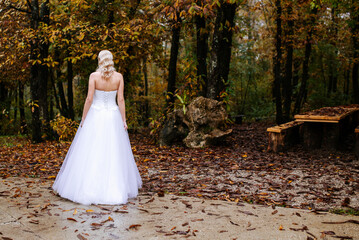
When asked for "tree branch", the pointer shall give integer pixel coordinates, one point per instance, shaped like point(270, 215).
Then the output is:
point(29, 4)
point(19, 9)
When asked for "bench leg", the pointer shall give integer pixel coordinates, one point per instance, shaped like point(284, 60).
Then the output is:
point(312, 135)
point(357, 145)
point(331, 136)
point(275, 142)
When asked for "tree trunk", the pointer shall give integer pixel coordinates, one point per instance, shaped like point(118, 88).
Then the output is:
point(130, 50)
point(221, 50)
point(16, 105)
point(296, 68)
point(333, 70)
point(355, 33)
point(35, 78)
point(111, 18)
point(34, 89)
point(147, 108)
point(57, 101)
point(249, 24)
point(305, 74)
point(171, 87)
point(70, 94)
point(202, 50)
point(322, 69)
point(44, 70)
point(347, 82)
point(287, 83)
point(277, 63)
point(22, 108)
point(51, 107)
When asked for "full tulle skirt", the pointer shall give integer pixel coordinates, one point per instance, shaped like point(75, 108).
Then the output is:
point(99, 167)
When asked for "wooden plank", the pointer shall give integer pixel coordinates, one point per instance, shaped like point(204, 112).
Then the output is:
point(325, 118)
point(317, 120)
point(282, 127)
point(317, 117)
point(274, 129)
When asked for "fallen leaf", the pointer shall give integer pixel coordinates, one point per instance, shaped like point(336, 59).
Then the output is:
point(79, 236)
point(347, 221)
point(234, 223)
point(97, 224)
point(134, 226)
point(197, 220)
point(342, 237)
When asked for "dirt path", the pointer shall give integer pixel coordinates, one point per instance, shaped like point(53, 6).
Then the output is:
point(30, 210)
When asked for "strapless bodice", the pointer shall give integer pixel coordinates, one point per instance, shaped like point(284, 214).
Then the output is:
point(104, 100)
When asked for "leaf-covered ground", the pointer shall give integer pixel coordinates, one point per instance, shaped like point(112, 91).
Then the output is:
point(241, 170)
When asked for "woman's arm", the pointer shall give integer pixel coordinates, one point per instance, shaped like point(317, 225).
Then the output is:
point(89, 98)
point(121, 101)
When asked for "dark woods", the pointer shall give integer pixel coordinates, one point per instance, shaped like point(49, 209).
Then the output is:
point(262, 58)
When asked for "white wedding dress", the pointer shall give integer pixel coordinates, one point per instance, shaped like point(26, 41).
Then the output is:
point(99, 167)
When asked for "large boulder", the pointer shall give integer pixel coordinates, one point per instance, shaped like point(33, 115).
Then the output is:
point(174, 130)
point(203, 124)
point(206, 119)
point(197, 139)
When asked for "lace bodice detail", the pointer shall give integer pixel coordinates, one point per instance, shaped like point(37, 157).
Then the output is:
point(105, 100)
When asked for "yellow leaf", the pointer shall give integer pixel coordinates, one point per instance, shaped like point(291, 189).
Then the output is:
point(89, 210)
point(81, 36)
point(49, 177)
point(42, 169)
point(75, 212)
point(280, 227)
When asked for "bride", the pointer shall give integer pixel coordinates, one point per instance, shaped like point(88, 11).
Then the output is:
point(99, 167)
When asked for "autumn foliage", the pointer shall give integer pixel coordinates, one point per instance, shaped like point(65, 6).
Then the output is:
point(264, 59)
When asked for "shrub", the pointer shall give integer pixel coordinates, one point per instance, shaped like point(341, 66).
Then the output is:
point(64, 127)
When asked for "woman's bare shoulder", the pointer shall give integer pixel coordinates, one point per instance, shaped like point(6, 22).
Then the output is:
point(95, 75)
point(118, 75)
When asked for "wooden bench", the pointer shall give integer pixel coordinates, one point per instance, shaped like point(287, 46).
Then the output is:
point(357, 141)
point(283, 136)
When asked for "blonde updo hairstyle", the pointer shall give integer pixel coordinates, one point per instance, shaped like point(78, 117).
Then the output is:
point(105, 64)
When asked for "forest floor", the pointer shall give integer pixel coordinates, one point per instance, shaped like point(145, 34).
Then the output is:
point(241, 171)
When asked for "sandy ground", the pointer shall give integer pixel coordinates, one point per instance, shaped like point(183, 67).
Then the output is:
point(30, 210)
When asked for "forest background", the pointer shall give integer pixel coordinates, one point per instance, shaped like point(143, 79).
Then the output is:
point(265, 59)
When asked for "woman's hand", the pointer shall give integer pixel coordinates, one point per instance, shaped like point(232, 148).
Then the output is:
point(125, 125)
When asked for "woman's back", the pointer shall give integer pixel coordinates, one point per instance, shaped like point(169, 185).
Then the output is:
point(110, 84)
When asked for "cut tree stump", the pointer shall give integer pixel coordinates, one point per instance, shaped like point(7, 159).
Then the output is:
point(283, 136)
